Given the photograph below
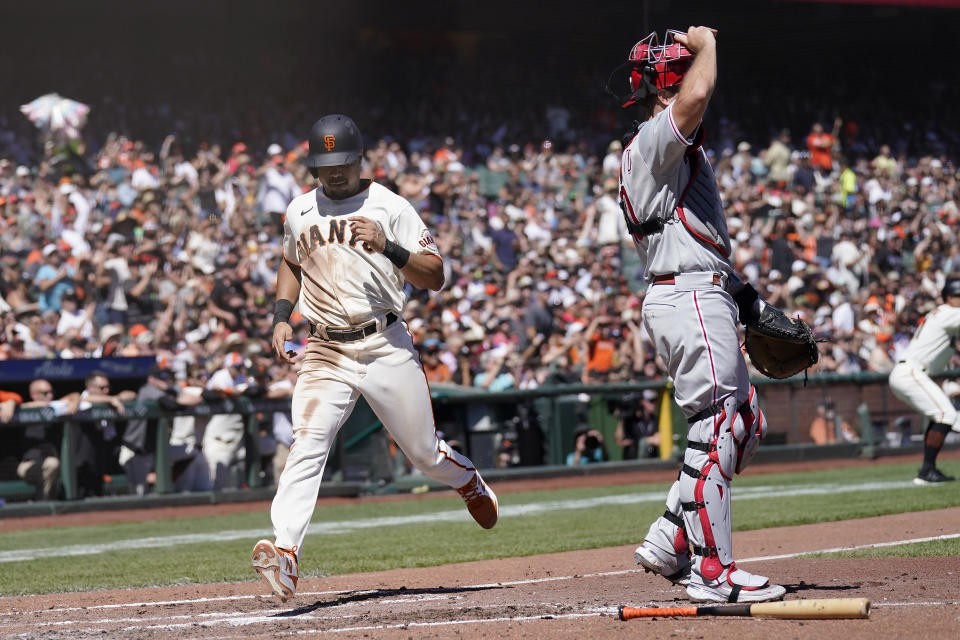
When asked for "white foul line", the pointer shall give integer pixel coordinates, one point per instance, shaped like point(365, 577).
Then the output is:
point(948, 536)
point(262, 617)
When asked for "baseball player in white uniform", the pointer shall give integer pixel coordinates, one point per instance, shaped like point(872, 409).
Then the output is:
point(928, 354)
point(672, 206)
point(349, 247)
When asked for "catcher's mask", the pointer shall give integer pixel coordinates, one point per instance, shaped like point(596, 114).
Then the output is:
point(651, 66)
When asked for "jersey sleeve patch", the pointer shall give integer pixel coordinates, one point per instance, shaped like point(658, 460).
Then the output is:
point(427, 242)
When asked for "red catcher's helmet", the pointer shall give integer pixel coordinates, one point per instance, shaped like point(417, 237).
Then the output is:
point(669, 62)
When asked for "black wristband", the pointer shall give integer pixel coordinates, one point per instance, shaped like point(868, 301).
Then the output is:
point(282, 311)
point(396, 254)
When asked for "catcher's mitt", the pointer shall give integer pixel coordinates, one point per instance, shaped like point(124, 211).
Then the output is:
point(780, 346)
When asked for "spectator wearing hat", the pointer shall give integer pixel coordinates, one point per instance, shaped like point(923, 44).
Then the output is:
point(803, 179)
point(96, 444)
point(600, 349)
point(610, 224)
point(212, 173)
point(506, 243)
point(139, 438)
point(26, 330)
point(223, 435)
point(140, 335)
point(638, 425)
point(537, 318)
point(111, 341)
point(276, 189)
point(53, 279)
point(741, 161)
point(190, 470)
point(776, 158)
point(281, 387)
point(74, 321)
point(433, 367)
point(611, 161)
point(142, 304)
point(820, 145)
point(112, 276)
point(228, 300)
point(495, 375)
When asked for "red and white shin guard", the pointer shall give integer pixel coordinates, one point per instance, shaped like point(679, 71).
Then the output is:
point(717, 439)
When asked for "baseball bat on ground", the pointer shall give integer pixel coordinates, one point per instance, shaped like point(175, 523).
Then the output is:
point(813, 609)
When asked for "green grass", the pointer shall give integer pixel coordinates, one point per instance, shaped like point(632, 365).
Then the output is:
point(427, 542)
point(931, 548)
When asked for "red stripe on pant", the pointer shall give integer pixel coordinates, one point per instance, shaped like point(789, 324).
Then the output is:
point(708, 540)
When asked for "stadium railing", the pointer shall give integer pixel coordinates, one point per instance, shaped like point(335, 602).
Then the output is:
point(540, 423)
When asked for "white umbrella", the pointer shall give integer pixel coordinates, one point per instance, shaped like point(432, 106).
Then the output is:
point(52, 112)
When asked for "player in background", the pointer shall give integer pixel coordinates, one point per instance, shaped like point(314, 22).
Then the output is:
point(928, 354)
point(349, 247)
point(670, 199)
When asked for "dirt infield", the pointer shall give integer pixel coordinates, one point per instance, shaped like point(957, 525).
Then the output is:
point(562, 595)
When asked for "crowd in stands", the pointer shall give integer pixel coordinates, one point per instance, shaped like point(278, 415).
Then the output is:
point(173, 253)
point(119, 245)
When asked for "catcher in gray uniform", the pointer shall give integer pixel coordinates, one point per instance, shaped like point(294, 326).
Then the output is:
point(673, 210)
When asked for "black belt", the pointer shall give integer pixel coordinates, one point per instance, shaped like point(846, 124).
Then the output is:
point(354, 333)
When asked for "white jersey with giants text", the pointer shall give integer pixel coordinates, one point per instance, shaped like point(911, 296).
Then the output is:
point(345, 283)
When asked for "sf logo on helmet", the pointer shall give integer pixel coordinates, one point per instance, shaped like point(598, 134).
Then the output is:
point(329, 142)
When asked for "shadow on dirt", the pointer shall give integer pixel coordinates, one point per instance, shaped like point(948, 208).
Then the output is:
point(362, 596)
point(804, 586)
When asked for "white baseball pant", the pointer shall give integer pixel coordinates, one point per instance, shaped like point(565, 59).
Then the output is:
point(694, 326)
point(385, 369)
point(910, 383)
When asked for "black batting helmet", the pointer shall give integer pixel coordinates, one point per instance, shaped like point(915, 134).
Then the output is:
point(334, 140)
point(951, 288)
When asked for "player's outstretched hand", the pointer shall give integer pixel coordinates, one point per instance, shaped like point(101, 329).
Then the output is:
point(697, 38)
point(281, 334)
point(368, 231)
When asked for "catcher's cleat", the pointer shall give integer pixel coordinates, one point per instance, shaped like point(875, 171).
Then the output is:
point(481, 501)
point(673, 567)
point(732, 585)
point(931, 476)
point(278, 567)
